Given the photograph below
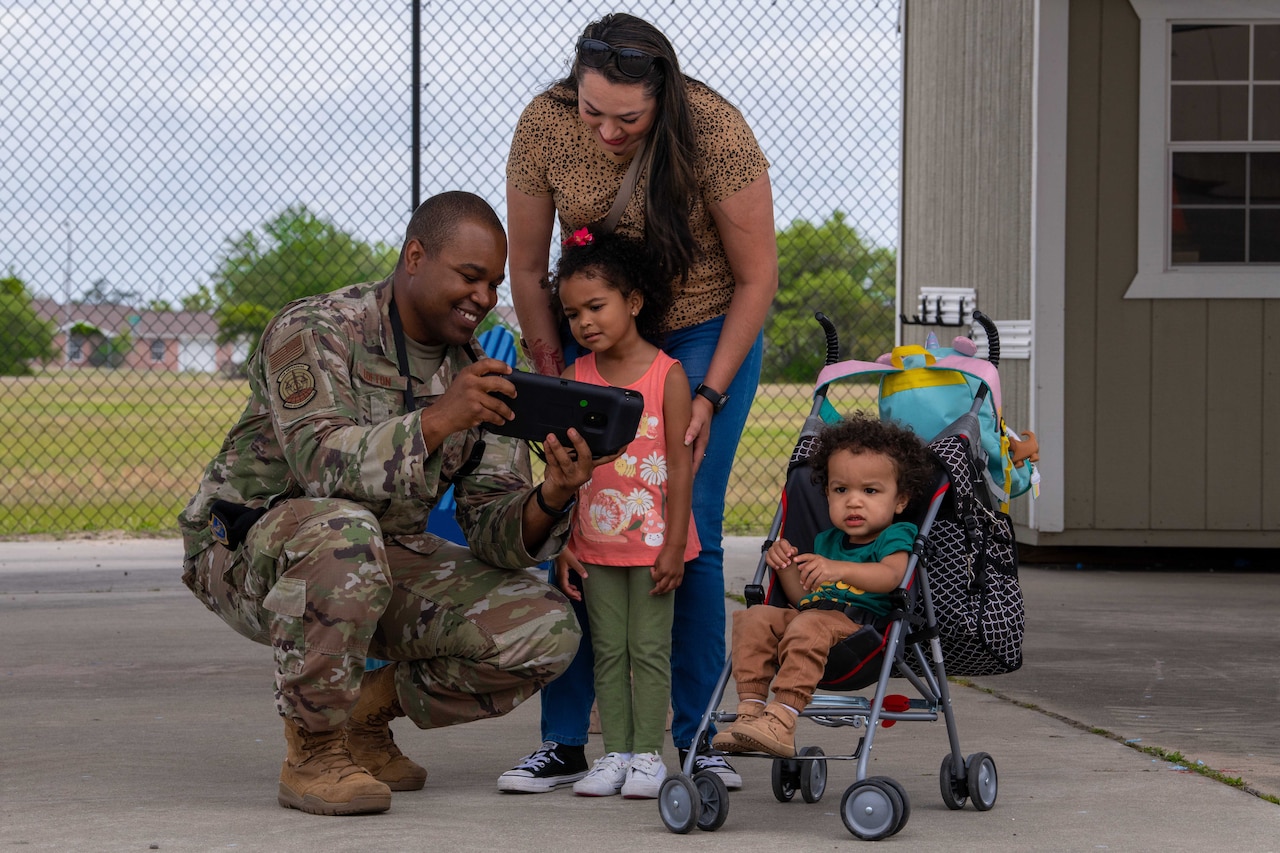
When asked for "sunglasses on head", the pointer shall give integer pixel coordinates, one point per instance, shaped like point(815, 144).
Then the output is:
point(594, 53)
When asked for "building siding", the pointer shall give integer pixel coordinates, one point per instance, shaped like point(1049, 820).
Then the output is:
point(1167, 404)
point(966, 219)
point(1168, 401)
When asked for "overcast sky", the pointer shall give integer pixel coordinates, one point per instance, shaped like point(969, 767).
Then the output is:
point(140, 135)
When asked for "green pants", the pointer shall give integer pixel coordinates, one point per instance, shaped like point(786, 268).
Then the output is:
point(631, 638)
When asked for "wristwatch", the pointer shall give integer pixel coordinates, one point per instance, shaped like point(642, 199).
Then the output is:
point(717, 399)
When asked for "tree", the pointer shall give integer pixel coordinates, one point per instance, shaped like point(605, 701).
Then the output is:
point(111, 351)
point(296, 254)
point(828, 268)
point(198, 300)
point(28, 337)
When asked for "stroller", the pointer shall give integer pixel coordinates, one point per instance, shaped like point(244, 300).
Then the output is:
point(958, 611)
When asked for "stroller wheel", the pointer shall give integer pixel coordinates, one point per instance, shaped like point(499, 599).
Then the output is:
point(906, 801)
point(813, 775)
point(714, 796)
point(871, 810)
point(980, 771)
point(954, 792)
point(786, 779)
point(679, 804)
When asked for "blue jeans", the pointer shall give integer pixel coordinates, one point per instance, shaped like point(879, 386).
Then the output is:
point(698, 648)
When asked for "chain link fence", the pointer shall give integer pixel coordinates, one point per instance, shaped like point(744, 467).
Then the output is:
point(173, 174)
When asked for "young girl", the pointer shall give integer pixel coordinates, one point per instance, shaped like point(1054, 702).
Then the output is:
point(633, 530)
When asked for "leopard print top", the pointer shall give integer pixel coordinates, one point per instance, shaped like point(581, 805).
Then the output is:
point(554, 153)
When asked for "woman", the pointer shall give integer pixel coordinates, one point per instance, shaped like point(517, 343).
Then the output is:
point(703, 206)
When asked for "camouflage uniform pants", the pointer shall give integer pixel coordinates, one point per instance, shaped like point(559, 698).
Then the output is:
point(315, 581)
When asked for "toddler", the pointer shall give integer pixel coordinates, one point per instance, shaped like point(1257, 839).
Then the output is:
point(869, 471)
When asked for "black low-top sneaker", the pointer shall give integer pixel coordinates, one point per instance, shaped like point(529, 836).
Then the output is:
point(715, 763)
point(550, 766)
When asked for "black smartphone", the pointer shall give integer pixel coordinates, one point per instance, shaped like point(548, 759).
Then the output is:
point(605, 416)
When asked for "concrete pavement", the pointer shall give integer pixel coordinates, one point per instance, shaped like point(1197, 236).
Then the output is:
point(135, 720)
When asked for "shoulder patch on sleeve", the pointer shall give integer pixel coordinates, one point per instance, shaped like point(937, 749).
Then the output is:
point(297, 378)
point(297, 386)
point(290, 350)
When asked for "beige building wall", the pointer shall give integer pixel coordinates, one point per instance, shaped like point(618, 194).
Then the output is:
point(1170, 407)
point(966, 200)
point(1169, 402)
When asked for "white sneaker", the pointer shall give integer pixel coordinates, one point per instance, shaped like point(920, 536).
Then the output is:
point(605, 778)
point(644, 777)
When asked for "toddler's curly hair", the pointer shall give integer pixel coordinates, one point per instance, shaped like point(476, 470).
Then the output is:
point(861, 433)
point(627, 266)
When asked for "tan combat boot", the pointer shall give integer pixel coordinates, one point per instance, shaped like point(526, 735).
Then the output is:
point(319, 776)
point(748, 709)
point(369, 733)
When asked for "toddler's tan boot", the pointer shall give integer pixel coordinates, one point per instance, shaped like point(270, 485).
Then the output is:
point(724, 740)
point(773, 732)
point(319, 776)
point(369, 733)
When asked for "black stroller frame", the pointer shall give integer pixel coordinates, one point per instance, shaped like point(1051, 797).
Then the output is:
point(873, 807)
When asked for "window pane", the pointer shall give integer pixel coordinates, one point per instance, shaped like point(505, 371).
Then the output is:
point(1264, 178)
point(1200, 178)
point(1264, 237)
point(1266, 112)
point(1208, 236)
point(1209, 113)
point(1266, 52)
point(1207, 52)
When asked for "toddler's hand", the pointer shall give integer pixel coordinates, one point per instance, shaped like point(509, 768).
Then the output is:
point(780, 554)
point(815, 571)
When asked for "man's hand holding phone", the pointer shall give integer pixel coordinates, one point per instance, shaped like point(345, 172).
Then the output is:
point(471, 400)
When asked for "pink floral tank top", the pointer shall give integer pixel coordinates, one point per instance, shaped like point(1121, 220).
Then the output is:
point(621, 515)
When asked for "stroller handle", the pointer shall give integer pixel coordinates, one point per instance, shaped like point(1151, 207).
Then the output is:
point(993, 337)
point(833, 339)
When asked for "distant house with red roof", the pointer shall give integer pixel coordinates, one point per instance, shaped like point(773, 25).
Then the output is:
point(174, 341)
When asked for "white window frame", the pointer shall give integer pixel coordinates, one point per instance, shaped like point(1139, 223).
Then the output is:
point(158, 342)
point(1155, 279)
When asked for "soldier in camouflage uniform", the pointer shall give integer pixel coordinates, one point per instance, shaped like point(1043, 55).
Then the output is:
point(307, 532)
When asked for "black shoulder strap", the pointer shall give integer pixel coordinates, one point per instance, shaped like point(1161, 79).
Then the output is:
point(402, 355)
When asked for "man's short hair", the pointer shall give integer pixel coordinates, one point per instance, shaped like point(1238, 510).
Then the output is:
point(436, 220)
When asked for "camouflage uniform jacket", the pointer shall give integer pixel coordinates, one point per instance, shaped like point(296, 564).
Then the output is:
point(327, 418)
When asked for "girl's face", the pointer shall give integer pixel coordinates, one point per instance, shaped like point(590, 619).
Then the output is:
point(862, 493)
point(620, 114)
point(600, 317)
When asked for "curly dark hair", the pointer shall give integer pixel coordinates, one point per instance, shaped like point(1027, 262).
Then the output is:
point(627, 266)
point(861, 433)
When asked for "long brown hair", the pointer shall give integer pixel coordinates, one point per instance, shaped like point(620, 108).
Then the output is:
point(672, 146)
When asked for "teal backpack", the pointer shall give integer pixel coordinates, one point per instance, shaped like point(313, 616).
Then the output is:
point(927, 388)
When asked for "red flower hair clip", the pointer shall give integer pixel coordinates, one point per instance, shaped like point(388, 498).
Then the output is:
point(581, 237)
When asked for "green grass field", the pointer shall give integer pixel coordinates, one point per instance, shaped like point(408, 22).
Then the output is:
point(100, 450)
point(106, 451)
